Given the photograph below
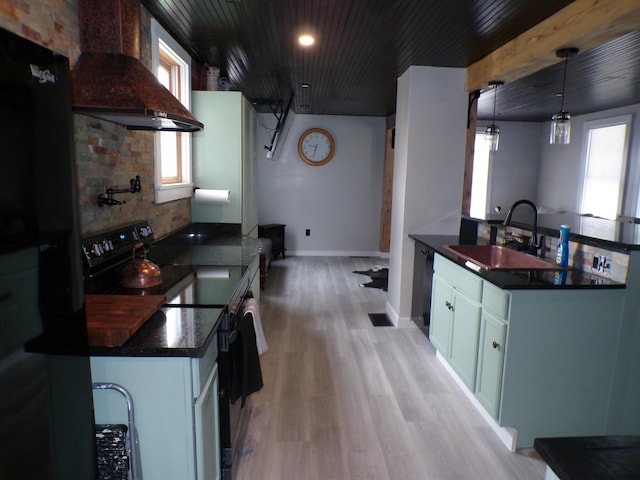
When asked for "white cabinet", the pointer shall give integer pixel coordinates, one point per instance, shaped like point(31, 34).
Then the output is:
point(176, 408)
point(224, 158)
point(546, 358)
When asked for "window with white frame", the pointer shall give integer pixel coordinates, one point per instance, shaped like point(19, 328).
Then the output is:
point(171, 64)
point(606, 153)
point(480, 176)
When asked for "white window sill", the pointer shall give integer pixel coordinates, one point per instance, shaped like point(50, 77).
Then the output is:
point(169, 193)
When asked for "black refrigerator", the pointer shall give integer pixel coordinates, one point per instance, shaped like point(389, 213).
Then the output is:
point(46, 408)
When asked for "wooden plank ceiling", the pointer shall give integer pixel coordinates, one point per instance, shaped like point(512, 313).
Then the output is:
point(362, 46)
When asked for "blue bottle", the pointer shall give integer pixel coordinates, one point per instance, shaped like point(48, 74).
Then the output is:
point(562, 257)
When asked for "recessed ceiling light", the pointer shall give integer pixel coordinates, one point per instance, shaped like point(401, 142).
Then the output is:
point(306, 40)
point(305, 85)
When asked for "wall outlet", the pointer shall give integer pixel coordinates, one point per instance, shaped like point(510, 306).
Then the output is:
point(307, 232)
point(601, 264)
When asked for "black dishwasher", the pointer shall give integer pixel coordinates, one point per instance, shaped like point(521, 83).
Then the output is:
point(422, 282)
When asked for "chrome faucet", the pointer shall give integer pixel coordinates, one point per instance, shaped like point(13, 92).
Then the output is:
point(534, 245)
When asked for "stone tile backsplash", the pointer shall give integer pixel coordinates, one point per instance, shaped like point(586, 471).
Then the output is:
point(106, 153)
point(610, 264)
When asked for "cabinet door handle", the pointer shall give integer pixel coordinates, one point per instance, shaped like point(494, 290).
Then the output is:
point(495, 344)
point(448, 305)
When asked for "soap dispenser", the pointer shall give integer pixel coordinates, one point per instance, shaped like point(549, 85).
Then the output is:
point(562, 257)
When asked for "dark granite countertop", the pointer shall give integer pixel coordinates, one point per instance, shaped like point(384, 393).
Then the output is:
point(205, 244)
point(170, 332)
point(188, 330)
point(592, 458)
point(571, 279)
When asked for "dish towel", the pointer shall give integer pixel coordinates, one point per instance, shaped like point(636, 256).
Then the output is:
point(246, 374)
point(251, 307)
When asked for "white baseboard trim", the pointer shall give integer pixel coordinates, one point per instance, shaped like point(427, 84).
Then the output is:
point(406, 322)
point(333, 253)
point(392, 314)
point(507, 435)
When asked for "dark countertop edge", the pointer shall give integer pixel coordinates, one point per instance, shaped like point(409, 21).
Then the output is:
point(568, 457)
point(573, 236)
point(216, 229)
point(157, 352)
point(510, 280)
point(132, 349)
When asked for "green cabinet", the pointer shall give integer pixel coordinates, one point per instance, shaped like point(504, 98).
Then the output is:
point(493, 334)
point(540, 362)
point(224, 158)
point(176, 411)
point(491, 347)
point(455, 319)
point(465, 328)
point(440, 327)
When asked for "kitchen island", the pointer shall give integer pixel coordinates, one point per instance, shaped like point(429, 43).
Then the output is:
point(538, 353)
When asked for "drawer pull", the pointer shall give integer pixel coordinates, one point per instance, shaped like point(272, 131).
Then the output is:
point(495, 344)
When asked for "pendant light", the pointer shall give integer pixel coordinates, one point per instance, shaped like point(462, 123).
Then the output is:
point(492, 133)
point(561, 122)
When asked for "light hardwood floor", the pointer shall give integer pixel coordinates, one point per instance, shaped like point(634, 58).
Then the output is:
point(345, 400)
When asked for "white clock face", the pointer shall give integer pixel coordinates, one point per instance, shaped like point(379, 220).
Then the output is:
point(316, 147)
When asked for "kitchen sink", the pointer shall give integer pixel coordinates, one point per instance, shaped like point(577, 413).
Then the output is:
point(497, 257)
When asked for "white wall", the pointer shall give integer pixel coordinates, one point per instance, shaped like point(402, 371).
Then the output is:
point(514, 167)
point(431, 127)
point(562, 166)
point(340, 202)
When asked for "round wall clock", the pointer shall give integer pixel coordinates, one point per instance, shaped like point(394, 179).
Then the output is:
point(316, 147)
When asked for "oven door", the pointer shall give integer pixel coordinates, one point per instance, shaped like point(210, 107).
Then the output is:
point(228, 421)
point(234, 417)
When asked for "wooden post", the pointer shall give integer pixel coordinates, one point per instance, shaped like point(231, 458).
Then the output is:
point(387, 193)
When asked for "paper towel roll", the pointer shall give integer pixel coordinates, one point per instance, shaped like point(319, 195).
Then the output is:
point(203, 195)
point(212, 272)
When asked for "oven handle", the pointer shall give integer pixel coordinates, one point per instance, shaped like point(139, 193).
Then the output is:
point(237, 305)
point(235, 311)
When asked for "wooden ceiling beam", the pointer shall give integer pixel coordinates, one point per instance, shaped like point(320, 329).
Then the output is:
point(583, 24)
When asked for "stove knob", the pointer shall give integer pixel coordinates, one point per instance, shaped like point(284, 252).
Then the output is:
point(145, 231)
point(95, 250)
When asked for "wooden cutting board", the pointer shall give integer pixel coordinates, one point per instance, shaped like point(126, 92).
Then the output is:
point(112, 319)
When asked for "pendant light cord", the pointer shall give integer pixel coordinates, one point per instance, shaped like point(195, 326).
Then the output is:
point(564, 82)
point(495, 100)
point(495, 84)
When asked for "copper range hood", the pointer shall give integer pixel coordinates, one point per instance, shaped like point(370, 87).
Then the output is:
point(111, 83)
